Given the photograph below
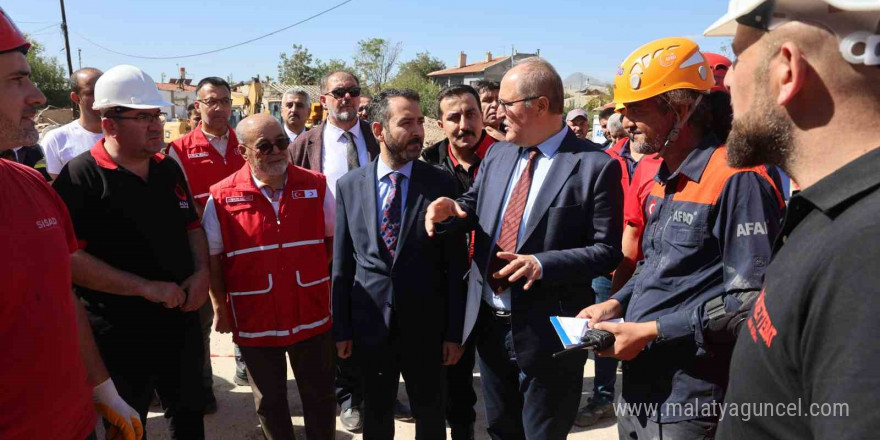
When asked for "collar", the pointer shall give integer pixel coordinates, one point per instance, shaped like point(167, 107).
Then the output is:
point(260, 184)
point(383, 170)
point(849, 182)
point(551, 145)
point(694, 164)
point(291, 134)
point(335, 133)
point(103, 159)
point(210, 137)
point(483, 147)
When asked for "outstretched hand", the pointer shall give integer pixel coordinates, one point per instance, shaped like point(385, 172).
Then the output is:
point(439, 210)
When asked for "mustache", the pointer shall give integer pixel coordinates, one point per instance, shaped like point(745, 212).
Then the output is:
point(464, 133)
point(415, 141)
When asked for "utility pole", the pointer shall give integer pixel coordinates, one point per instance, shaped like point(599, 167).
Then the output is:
point(66, 39)
point(79, 53)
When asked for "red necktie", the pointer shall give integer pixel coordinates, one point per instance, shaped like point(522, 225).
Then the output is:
point(513, 217)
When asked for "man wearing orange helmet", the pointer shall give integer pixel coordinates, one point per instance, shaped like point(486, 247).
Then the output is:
point(707, 240)
point(50, 352)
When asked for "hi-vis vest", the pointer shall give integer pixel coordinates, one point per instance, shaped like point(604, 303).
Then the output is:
point(275, 268)
point(202, 164)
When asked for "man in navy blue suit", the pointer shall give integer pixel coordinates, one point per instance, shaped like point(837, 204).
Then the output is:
point(546, 207)
point(398, 302)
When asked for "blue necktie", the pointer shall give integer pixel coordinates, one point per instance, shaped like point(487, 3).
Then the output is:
point(390, 228)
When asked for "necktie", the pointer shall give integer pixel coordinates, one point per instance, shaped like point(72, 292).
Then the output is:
point(351, 152)
point(513, 217)
point(391, 214)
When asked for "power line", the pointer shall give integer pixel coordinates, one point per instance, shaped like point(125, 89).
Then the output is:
point(43, 28)
point(220, 49)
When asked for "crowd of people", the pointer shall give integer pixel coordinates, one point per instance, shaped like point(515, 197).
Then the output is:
point(358, 254)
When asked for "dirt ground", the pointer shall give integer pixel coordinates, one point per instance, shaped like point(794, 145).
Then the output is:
point(236, 419)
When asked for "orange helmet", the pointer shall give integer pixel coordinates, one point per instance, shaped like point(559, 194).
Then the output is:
point(660, 66)
point(10, 37)
point(720, 64)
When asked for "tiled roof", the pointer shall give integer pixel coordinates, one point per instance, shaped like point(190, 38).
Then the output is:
point(470, 68)
point(174, 87)
point(278, 89)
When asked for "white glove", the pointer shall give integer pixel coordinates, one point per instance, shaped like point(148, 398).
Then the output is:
point(125, 422)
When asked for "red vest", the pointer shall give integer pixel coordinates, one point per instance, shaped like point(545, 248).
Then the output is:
point(275, 268)
point(202, 164)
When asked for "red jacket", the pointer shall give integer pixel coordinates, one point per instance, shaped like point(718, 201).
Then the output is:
point(275, 268)
point(202, 164)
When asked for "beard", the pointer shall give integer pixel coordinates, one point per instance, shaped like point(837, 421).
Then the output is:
point(344, 115)
point(400, 151)
point(17, 133)
point(762, 136)
point(646, 146)
point(270, 168)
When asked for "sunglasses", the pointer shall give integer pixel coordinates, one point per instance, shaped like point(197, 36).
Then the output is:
point(339, 93)
point(266, 146)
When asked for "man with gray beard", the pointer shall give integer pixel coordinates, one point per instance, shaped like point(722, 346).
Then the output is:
point(270, 235)
point(342, 142)
point(706, 244)
point(806, 96)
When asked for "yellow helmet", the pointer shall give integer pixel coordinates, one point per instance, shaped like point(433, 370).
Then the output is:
point(660, 66)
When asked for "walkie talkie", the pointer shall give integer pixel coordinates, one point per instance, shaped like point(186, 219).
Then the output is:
point(591, 339)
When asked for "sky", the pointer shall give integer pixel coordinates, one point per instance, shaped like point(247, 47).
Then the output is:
point(574, 35)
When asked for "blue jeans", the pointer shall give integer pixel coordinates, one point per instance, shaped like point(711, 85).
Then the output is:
point(606, 367)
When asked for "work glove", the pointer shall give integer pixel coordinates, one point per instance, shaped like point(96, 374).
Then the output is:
point(125, 422)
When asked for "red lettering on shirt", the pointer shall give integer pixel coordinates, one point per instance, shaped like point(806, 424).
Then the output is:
point(760, 323)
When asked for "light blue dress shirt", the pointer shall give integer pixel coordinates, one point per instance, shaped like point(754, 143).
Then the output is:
point(384, 188)
point(543, 162)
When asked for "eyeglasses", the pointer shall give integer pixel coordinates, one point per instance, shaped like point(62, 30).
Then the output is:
point(363, 108)
point(339, 93)
point(225, 102)
point(503, 104)
point(266, 146)
point(143, 117)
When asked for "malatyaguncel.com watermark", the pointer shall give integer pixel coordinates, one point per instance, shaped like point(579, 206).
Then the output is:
point(744, 411)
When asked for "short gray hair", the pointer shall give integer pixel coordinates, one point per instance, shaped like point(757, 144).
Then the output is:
point(539, 78)
point(298, 91)
point(615, 123)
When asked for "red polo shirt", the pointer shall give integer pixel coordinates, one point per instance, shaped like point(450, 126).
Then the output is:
point(46, 394)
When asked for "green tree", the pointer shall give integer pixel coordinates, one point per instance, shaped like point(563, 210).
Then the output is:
point(48, 74)
point(422, 64)
point(330, 66)
point(375, 61)
point(427, 90)
point(299, 67)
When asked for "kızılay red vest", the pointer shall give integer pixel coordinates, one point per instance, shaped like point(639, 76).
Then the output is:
point(202, 164)
point(275, 268)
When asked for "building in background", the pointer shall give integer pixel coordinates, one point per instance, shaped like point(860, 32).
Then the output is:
point(488, 69)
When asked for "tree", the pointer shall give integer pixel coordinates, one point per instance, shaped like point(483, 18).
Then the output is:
point(422, 64)
point(375, 61)
point(299, 68)
point(330, 66)
point(48, 75)
point(426, 88)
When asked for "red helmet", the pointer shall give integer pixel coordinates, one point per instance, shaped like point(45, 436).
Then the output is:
point(720, 64)
point(10, 37)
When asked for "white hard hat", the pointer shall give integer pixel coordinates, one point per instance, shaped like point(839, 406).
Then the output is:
point(854, 22)
point(127, 86)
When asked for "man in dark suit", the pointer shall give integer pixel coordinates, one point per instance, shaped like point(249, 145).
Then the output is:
point(340, 144)
point(547, 221)
point(398, 302)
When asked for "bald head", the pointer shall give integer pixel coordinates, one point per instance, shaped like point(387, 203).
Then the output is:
point(534, 76)
point(85, 77)
point(254, 127)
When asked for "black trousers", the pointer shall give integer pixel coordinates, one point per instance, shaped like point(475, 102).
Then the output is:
point(632, 427)
point(460, 395)
point(165, 356)
point(421, 363)
point(519, 405)
point(348, 383)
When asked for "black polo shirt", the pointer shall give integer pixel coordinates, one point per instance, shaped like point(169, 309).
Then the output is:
point(133, 225)
point(810, 351)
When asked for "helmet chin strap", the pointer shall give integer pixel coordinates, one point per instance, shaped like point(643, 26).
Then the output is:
point(679, 122)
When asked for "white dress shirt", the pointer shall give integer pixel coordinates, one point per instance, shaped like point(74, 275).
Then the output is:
point(335, 163)
point(543, 161)
point(291, 135)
